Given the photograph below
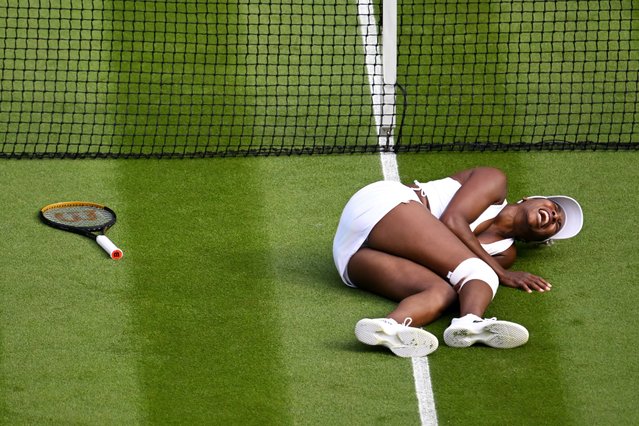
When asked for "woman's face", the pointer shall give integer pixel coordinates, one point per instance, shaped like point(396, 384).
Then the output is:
point(544, 218)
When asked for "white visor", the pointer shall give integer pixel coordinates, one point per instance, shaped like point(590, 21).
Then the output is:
point(574, 216)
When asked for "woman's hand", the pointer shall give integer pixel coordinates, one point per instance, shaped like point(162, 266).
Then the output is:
point(524, 281)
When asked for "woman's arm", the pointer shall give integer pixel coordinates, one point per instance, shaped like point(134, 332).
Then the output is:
point(507, 257)
point(480, 188)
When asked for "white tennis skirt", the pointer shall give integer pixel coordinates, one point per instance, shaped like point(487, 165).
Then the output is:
point(362, 212)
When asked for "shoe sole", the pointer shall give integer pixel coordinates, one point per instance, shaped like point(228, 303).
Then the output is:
point(497, 334)
point(408, 342)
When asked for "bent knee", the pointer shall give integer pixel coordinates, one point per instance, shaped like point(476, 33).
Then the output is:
point(473, 269)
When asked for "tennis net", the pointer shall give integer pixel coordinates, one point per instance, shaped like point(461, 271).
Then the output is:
point(191, 78)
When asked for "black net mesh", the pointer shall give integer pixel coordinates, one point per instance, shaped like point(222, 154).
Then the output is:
point(252, 77)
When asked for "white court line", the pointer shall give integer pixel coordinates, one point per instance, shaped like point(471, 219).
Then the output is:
point(424, 391)
point(368, 28)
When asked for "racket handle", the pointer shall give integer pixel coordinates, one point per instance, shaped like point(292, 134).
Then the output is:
point(109, 247)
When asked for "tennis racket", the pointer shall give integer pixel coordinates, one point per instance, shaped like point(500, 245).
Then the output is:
point(85, 219)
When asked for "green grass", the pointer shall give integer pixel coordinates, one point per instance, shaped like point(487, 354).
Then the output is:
point(576, 368)
point(226, 308)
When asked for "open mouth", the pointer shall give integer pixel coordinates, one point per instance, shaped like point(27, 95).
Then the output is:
point(544, 217)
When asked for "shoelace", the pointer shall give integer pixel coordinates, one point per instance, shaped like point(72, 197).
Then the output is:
point(486, 319)
point(407, 322)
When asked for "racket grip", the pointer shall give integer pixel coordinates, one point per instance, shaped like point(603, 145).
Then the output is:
point(108, 246)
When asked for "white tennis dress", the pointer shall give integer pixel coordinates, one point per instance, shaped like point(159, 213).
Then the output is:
point(371, 203)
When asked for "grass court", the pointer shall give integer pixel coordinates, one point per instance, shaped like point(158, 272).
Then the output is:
point(226, 308)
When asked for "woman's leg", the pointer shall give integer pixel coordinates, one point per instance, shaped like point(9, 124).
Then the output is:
point(411, 232)
point(422, 294)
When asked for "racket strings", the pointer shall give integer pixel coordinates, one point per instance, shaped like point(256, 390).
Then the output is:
point(79, 216)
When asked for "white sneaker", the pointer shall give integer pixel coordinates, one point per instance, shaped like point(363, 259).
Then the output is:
point(403, 340)
point(471, 329)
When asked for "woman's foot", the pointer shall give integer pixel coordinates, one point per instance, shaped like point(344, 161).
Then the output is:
point(471, 329)
point(401, 339)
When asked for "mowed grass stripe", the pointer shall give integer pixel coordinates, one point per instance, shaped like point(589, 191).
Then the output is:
point(65, 314)
point(332, 378)
point(594, 299)
point(498, 376)
point(204, 313)
point(579, 365)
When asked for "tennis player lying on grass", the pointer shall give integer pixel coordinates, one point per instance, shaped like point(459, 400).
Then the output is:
point(429, 245)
